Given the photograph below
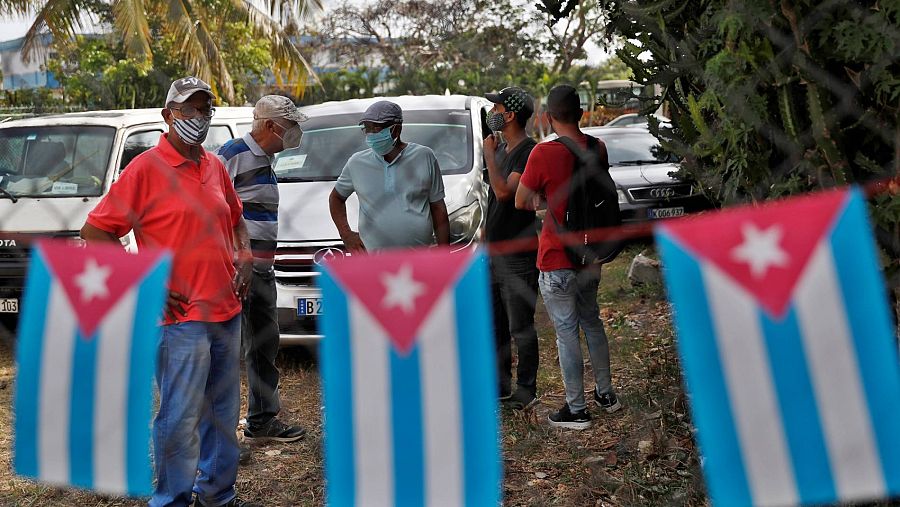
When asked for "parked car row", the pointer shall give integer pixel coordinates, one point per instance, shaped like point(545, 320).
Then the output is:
point(54, 169)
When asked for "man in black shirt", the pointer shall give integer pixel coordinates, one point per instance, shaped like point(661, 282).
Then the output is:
point(513, 276)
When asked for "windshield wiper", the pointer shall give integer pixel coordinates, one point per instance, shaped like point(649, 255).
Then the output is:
point(639, 162)
point(9, 194)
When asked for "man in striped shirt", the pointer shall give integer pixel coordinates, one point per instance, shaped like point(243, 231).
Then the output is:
point(248, 160)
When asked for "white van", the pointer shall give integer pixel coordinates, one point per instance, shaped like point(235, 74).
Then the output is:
point(54, 170)
point(452, 126)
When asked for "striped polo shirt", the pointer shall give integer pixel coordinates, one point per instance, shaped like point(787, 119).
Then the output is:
point(254, 180)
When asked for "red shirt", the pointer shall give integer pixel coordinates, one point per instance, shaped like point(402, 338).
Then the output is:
point(547, 173)
point(174, 203)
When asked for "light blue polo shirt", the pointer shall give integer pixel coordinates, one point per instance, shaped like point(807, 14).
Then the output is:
point(394, 199)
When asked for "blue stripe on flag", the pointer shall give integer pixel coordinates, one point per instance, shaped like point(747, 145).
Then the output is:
point(704, 376)
point(407, 436)
point(337, 392)
point(474, 330)
point(81, 411)
point(28, 373)
point(870, 323)
point(142, 365)
point(799, 411)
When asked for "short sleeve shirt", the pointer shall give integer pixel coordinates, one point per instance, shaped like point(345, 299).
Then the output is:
point(394, 198)
point(547, 172)
point(188, 208)
point(504, 221)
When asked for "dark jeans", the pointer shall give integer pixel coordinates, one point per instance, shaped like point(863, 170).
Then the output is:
point(514, 285)
point(260, 346)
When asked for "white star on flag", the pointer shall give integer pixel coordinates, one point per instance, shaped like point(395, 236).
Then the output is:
point(760, 249)
point(92, 280)
point(402, 289)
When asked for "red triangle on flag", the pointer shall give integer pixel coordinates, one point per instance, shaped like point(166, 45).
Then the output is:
point(763, 248)
point(95, 277)
point(399, 288)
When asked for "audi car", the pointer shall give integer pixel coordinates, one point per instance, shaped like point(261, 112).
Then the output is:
point(452, 126)
point(643, 172)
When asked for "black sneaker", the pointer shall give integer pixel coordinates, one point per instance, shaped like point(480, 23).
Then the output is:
point(505, 393)
point(245, 455)
point(520, 400)
point(235, 502)
point(275, 430)
point(608, 402)
point(564, 418)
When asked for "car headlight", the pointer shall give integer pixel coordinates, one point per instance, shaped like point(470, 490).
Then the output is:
point(623, 199)
point(464, 223)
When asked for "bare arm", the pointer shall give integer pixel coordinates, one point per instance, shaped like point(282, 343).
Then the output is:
point(504, 189)
point(441, 222)
point(93, 235)
point(337, 205)
point(244, 261)
point(526, 198)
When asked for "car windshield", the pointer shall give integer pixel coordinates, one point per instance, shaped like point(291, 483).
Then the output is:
point(634, 148)
point(59, 161)
point(329, 141)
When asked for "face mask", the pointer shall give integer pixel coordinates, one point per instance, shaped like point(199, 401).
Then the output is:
point(496, 122)
point(381, 142)
point(291, 138)
point(192, 131)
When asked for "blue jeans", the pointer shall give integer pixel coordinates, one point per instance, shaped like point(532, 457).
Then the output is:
point(571, 300)
point(194, 434)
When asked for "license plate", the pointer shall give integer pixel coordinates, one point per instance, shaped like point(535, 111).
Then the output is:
point(666, 212)
point(9, 305)
point(309, 306)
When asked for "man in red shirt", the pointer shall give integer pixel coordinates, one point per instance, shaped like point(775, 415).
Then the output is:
point(179, 197)
point(569, 295)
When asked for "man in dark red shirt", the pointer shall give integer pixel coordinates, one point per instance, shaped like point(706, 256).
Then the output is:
point(569, 295)
point(179, 197)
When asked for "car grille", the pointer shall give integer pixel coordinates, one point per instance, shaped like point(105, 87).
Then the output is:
point(299, 327)
point(296, 264)
point(660, 193)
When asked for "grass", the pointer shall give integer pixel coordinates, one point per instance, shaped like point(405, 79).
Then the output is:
point(642, 455)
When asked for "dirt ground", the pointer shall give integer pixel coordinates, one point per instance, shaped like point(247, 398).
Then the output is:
point(642, 455)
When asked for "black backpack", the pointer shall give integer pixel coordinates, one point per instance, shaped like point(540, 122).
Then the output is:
point(592, 204)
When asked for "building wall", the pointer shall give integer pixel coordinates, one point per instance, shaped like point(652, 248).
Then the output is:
point(18, 74)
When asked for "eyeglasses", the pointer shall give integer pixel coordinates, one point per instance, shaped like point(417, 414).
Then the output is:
point(374, 128)
point(191, 111)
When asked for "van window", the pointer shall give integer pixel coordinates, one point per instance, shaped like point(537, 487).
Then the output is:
point(138, 143)
point(243, 129)
point(218, 135)
point(57, 161)
point(329, 141)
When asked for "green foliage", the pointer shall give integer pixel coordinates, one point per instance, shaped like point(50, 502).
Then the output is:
point(95, 72)
point(774, 98)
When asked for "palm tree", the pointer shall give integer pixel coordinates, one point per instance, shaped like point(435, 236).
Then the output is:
point(192, 23)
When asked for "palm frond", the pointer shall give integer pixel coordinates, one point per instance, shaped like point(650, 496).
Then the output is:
point(62, 18)
point(183, 27)
point(130, 18)
point(288, 64)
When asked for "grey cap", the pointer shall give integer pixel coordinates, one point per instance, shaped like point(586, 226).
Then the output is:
point(183, 88)
point(277, 106)
point(383, 111)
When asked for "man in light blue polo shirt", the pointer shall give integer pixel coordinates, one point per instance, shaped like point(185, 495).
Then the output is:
point(399, 186)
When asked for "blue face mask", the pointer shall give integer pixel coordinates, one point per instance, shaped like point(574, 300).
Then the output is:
point(381, 142)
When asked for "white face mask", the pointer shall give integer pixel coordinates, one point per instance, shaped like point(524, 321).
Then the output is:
point(192, 131)
point(291, 138)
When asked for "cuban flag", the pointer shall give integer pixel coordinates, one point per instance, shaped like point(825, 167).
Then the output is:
point(86, 357)
point(788, 351)
point(409, 380)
